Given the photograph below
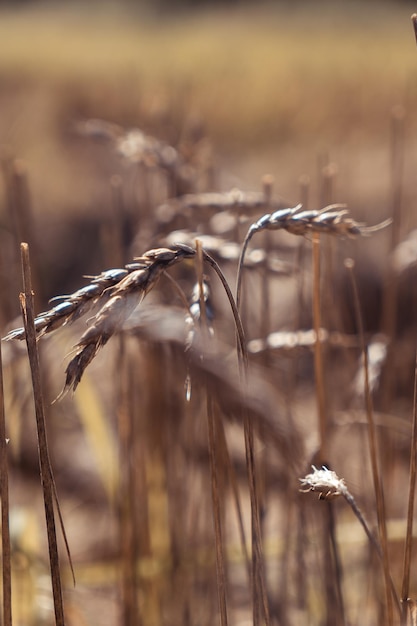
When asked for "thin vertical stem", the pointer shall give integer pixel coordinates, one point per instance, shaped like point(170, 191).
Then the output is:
point(333, 565)
point(411, 493)
point(4, 494)
point(213, 456)
point(378, 487)
point(26, 302)
point(318, 355)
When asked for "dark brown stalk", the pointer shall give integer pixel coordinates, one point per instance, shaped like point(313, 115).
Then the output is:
point(377, 480)
point(333, 567)
point(4, 494)
point(130, 488)
point(259, 593)
point(26, 302)
point(235, 491)
point(414, 20)
point(265, 327)
point(318, 356)
point(265, 295)
point(213, 456)
point(410, 515)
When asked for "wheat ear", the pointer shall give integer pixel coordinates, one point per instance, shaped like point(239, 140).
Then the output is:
point(123, 300)
point(333, 220)
point(78, 303)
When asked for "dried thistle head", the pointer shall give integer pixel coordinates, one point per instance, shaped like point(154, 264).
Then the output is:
point(325, 482)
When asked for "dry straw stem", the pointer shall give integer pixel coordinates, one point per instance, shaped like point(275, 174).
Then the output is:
point(377, 480)
point(212, 428)
point(411, 494)
point(26, 300)
point(333, 569)
point(333, 220)
point(4, 495)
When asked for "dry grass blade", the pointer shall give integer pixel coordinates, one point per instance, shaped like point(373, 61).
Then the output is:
point(318, 354)
point(4, 495)
point(44, 461)
point(241, 343)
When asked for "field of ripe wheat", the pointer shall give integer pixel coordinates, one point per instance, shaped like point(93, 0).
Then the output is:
point(208, 311)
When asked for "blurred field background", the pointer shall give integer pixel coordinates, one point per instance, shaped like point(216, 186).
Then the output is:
point(280, 82)
point(274, 87)
point(280, 88)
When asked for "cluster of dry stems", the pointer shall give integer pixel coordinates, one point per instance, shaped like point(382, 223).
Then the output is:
point(188, 340)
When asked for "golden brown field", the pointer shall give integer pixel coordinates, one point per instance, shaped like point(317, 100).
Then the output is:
point(162, 146)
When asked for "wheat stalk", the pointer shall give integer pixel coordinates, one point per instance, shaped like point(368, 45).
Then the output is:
point(5, 510)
